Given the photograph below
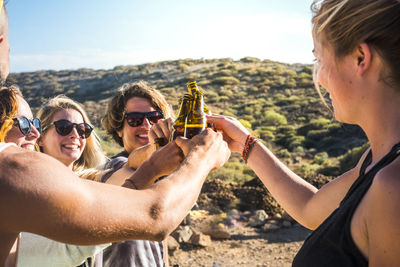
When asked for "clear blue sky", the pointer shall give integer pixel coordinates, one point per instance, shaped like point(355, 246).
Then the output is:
point(54, 34)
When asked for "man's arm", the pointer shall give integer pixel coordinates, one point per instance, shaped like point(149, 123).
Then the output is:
point(42, 196)
point(161, 163)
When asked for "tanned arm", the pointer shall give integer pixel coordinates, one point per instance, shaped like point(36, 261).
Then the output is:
point(42, 196)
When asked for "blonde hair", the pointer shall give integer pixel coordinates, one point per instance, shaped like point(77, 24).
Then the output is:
point(345, 24)
point(8, 108)
point(92, 156)
point(113, 120)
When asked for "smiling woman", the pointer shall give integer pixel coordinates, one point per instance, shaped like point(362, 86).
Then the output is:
point(68, 136)
point(16, 123)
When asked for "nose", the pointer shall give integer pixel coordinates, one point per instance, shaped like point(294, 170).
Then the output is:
point(146, 122)
point(34, 133)
point(74, 133)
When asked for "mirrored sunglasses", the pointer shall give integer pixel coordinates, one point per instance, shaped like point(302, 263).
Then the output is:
point(25, 125)
point(65, 127)
point(135, 119)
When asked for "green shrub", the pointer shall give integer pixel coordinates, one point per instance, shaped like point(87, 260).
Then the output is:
point(351, 158)
point(283, 153)
point(314, 124)
point(320, 158)
point(306, 169)
point(226, 81)
point(273, 118)
point(245, 123)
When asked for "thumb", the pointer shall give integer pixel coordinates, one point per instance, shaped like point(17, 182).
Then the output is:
point(183, 144)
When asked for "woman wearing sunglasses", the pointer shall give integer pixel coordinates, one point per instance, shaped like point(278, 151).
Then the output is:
point(17, 123)
point(17, 127)
point(67, 136)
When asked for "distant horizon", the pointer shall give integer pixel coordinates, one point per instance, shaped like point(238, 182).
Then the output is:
point(97, 34)
point(127, 65)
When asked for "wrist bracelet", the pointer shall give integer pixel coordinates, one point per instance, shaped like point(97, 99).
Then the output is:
point(250, 148)
point(249, 141)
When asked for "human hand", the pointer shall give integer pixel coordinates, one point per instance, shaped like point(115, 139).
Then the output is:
point(208, 145)
point(160, 132)
point(234, 133)
point(166, 159)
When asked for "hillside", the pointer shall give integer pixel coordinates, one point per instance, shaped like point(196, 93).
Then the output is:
point(277, 101)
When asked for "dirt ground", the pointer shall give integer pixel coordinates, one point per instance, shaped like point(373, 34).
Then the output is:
point(247, 247)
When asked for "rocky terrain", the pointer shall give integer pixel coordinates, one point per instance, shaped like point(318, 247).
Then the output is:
point(237, 225)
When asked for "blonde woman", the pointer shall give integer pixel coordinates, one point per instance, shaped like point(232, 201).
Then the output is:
point(356, 217)
point(68, 137)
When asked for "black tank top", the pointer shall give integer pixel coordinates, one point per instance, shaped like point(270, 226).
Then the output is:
point(331, 244)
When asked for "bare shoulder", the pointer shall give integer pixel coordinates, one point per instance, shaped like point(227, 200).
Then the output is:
point(383, 216)
point(386, 184)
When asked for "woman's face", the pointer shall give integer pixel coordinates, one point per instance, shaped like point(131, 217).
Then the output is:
point(66, 149)
point(135, 137)
point(336, 76)
point(15, 135)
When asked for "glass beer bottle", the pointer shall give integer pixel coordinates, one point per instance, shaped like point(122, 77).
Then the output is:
point(192, 88)
point(178, 128)
point(196, 119)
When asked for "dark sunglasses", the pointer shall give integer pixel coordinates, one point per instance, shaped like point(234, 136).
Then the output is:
point(135, 119)
point(65, 127)
point(24, 124)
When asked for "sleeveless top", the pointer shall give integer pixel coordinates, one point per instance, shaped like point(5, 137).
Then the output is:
point(331, 244)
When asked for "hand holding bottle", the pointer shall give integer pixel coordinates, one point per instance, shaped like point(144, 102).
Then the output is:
point(166, 159)
point(233, 131)
point(160, 132)
point(208, 147)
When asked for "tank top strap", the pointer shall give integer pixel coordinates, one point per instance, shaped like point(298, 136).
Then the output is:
point(365, 164)
point(387, 159)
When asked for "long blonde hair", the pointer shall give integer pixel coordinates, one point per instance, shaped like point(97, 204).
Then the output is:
point(92, 156)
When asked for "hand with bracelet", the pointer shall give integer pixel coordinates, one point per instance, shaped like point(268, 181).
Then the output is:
point(235, 134)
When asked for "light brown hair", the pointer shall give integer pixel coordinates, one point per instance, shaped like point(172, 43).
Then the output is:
point(113, 120)
point(345, 24)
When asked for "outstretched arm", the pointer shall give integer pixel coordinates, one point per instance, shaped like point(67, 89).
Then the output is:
point(42, 196)
point(301, 200)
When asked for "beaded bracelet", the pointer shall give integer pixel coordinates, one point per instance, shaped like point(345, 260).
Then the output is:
point(250, 148)
point(248, 145)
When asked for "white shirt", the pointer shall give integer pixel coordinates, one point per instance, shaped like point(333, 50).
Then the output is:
point(38, 251)
point(5, 145)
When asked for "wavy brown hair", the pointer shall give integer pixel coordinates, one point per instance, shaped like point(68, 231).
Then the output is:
point(113, 121)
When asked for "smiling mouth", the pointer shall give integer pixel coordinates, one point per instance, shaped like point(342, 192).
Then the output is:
point(73, 147)
point(28, 146)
